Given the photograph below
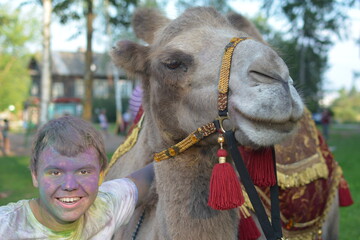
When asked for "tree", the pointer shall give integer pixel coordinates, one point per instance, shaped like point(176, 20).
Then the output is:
point(69, 10)
point(347, 106)
point(46, 62)
point(312, 26)
point(16, 31)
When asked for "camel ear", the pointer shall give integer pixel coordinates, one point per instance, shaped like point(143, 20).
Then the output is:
point(131, 57)
point(146, 22)
point(243, 24)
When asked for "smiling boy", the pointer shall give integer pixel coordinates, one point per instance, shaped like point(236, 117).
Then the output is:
point(68, 158)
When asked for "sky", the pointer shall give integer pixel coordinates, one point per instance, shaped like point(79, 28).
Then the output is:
point(344, 56)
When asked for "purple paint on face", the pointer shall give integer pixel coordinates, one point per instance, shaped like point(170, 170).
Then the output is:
point(67, 185)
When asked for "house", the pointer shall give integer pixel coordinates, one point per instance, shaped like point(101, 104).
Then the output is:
point(67, 70)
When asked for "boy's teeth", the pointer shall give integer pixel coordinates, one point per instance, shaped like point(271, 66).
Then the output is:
point(69, 200)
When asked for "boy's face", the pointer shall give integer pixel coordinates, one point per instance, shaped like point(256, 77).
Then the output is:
point(67, 185)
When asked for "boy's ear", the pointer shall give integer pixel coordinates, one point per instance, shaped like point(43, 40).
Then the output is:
point(34, 179)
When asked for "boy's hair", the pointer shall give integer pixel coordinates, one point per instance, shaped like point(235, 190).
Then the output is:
point(69, 136)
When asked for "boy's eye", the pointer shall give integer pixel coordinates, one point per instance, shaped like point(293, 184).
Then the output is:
point(54, 173)
point(83, 172)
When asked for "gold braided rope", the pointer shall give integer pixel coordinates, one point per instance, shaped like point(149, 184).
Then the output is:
point(186, 143)
point(225, 72)
point(209, 128)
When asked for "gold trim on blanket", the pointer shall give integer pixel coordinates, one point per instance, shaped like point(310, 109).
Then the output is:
point(127, 145)
point(299, 160)
point(302, 172)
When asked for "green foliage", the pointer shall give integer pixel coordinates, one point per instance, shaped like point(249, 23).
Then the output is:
point(16, 30)
point(310, 32)
point(14, 81)
point(114, 12)
point(150, 3)
point(347, 107)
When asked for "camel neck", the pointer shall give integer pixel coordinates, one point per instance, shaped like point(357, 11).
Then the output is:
point(183, 202)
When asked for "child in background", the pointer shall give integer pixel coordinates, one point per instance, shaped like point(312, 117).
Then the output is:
point(103, 122)
point(5, 138)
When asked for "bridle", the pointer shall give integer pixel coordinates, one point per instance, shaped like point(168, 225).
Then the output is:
point(271, 230)
point(209, 128)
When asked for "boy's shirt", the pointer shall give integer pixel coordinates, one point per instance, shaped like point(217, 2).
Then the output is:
point(112, 208)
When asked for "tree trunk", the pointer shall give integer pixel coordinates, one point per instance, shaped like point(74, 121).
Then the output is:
point(302, 67)
point(89, 67)
point(46, 61)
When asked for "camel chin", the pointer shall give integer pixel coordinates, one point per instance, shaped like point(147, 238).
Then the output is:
point(263, 133)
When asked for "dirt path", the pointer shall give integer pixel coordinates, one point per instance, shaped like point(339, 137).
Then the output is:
point(20, 144)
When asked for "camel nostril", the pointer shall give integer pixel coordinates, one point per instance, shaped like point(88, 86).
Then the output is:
point(265, 77)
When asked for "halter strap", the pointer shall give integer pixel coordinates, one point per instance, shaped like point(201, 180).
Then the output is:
point(223, 87)
point(186, 143)
point(208, 128)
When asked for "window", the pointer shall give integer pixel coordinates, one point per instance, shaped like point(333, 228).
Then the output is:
point(58, 89)
point(34, 89)
point(79, 90)
point(100, 89)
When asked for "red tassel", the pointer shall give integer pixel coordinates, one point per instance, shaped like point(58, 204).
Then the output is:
point(260, 165)
point(225, 190)
point(345, 198)
point(247, 227)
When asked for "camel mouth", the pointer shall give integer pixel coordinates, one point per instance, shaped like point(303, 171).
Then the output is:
point(286, 126)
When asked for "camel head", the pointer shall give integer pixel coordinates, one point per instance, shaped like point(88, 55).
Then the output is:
point(180, 67)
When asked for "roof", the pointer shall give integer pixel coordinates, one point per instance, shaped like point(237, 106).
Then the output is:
point(73, 64)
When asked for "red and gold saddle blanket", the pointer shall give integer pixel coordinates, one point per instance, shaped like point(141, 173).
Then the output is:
point(308, 177)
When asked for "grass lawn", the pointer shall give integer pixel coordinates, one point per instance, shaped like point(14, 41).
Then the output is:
point(15, 178)
point(347, 153)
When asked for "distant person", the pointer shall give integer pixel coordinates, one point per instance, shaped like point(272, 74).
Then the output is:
point(325, 122)
point(103, 122)
point(67, 163)
point(135, 101)
point(127, 120)
point(5, 137)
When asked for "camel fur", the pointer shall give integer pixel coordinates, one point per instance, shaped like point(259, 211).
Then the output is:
point(179, 68)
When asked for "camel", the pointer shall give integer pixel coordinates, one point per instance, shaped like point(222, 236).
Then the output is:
point(179, 67)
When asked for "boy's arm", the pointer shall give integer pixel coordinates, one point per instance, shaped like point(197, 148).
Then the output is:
point(143, 179)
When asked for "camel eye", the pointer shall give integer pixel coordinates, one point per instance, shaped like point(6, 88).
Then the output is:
point(174, 64)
